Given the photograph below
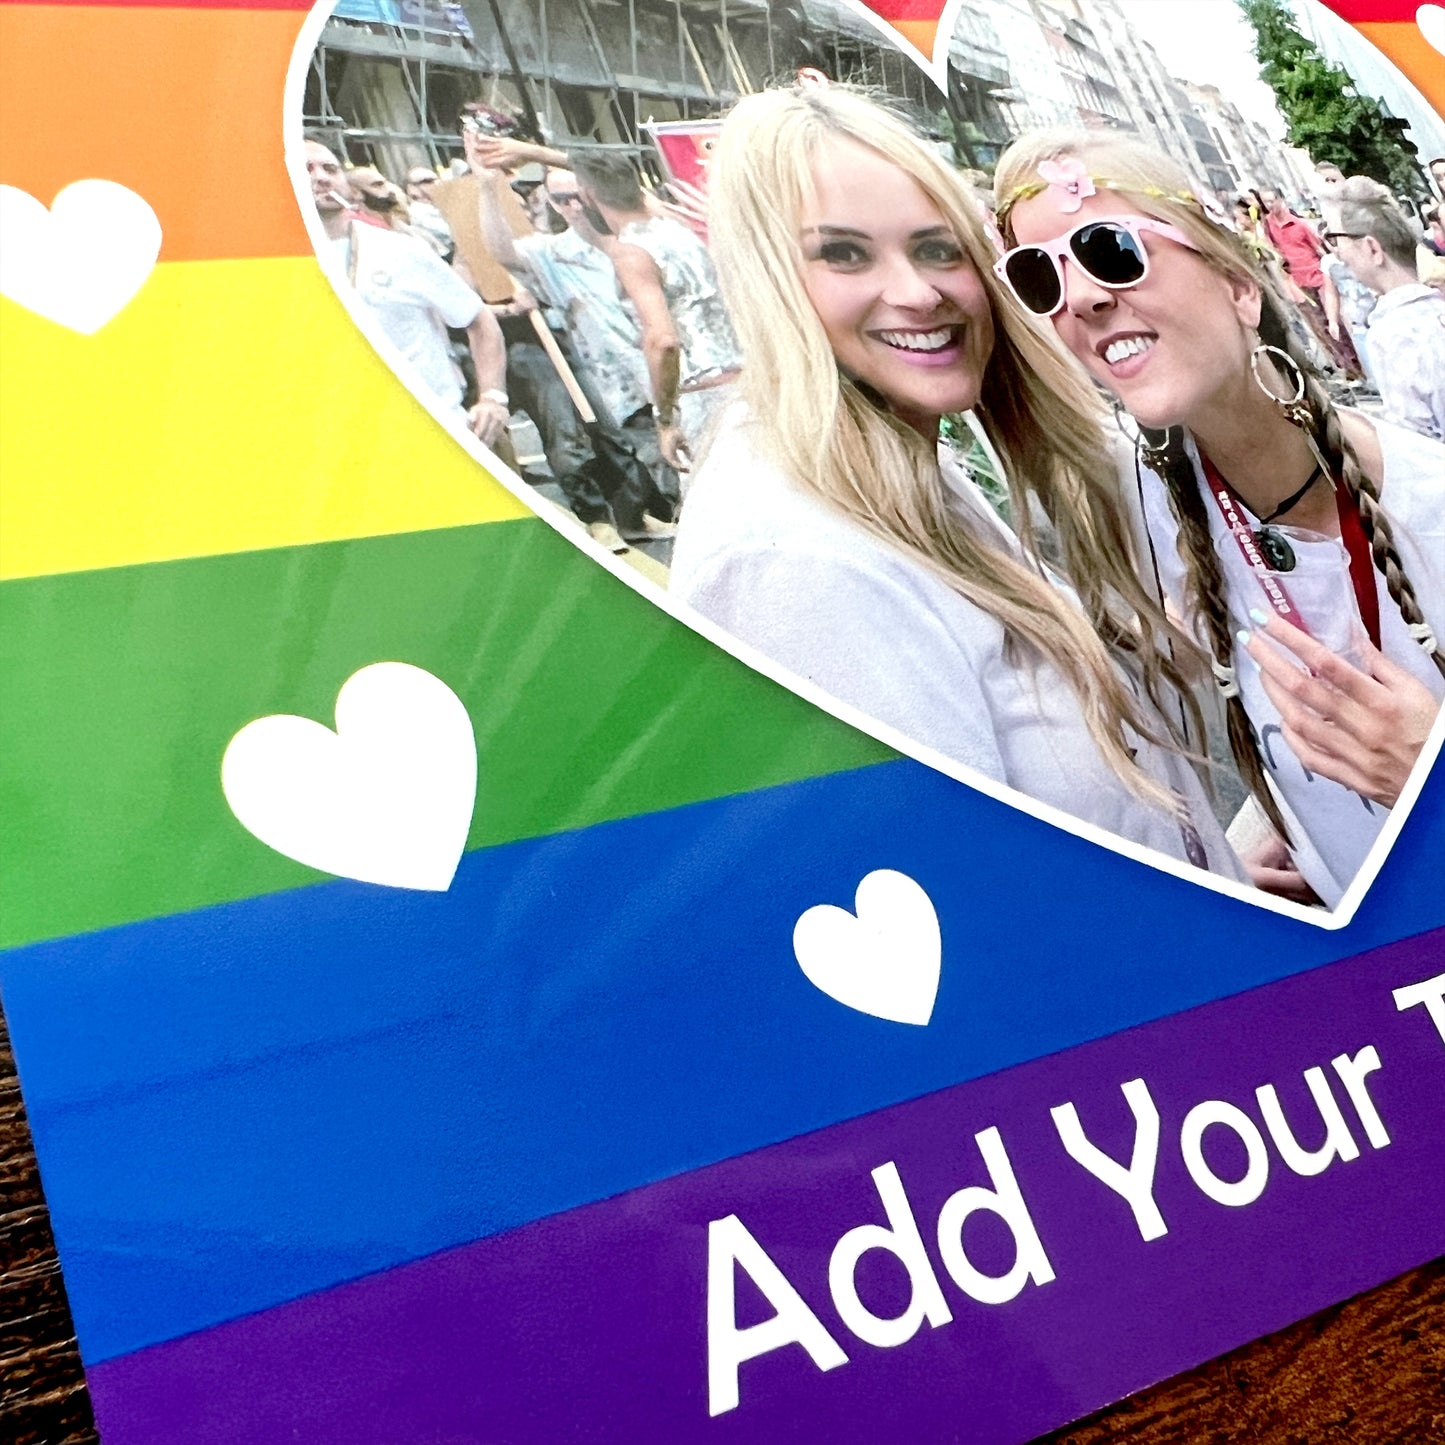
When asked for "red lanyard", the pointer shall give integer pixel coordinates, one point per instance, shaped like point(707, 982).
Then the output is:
point(1362, 564)
point(1352, 533)
point(1267, 578)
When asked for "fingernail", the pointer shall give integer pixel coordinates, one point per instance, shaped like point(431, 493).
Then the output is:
point(1244, 637)
point(1257, 617)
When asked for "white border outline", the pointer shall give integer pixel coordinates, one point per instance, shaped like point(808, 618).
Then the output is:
point(292, 102)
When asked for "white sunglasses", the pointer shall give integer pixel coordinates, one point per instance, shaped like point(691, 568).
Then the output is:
point(1108, 250)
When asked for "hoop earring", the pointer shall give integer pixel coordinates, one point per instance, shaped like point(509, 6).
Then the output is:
point(1295, 409)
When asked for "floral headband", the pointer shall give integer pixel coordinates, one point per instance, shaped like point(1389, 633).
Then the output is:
point(1070, 179)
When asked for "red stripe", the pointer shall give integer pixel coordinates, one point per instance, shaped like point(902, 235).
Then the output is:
point(168, 4)
point(1374, 12)
point(891, 10)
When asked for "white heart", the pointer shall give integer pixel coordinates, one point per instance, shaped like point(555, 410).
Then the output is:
point(1431, 20)
point(885, 960)
point(386, 798)
point(80, 262)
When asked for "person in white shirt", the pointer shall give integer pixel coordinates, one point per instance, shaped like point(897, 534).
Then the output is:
point(824, 529)
point(415, 296)
point(1253, 495)
point(1376, 240)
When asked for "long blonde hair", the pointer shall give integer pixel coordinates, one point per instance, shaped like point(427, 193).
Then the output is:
point(1152, 183)
point(1042, 417)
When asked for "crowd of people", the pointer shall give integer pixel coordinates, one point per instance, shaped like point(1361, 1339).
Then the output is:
point(1202, 532)
point(1393, 282)
point(585, 305)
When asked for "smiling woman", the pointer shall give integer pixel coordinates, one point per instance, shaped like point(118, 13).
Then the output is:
point(827, 528)
point(1260, 504)
point(902, 306)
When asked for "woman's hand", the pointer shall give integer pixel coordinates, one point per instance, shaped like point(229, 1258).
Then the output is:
point(1272, 870)
point(1362, 729)
point(1265, 855)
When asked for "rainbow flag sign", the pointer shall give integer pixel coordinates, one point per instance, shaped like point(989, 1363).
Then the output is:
point(461, 996)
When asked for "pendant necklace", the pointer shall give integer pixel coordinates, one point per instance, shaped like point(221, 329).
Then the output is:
point(1273, 545)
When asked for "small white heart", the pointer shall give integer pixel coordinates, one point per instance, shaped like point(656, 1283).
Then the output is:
point(386, 798)
point(885, 960)
point(80, 262)
point(1431, 20)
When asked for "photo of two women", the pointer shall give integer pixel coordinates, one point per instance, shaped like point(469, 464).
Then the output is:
point(1042, 463)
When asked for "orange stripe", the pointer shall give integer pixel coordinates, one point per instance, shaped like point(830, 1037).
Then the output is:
point(183, 106)
point(919, 34)
point(1414, 56)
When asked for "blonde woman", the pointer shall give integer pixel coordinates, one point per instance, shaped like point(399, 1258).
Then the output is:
point(823, 529)
point(1251, 490)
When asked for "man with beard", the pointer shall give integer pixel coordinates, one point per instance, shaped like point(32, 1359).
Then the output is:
point(1377, 241)
point(415, 297)
point(571, 272)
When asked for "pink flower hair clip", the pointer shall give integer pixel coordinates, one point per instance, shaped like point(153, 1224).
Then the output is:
point(995, 236)
point(1071, 180)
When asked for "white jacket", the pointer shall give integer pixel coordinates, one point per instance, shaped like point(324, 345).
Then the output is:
point(823, 598)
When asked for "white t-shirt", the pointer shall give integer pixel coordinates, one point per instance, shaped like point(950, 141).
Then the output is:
point(820, 595)
point(1332, 827)
point(415, 296)
point(1407, 355)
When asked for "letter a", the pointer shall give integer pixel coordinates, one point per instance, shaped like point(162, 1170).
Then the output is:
point(729, 1244)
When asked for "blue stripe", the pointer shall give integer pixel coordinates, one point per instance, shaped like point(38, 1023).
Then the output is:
point(240, 1105)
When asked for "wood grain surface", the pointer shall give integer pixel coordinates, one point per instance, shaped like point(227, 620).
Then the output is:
point(1368, 1372)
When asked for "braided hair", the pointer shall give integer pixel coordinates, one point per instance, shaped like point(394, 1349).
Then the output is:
point(1156, 186)
point(1166, 454)
point(1204, 582)
point(1360, 488)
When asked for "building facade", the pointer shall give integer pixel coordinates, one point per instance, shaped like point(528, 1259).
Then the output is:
point(389, 77)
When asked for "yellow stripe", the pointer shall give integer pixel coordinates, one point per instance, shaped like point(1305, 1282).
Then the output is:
point(232, 405)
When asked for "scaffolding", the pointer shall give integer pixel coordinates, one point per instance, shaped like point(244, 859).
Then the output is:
point(390, 76)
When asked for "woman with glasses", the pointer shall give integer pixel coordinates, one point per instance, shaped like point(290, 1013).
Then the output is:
point(1262, 508)
point(827, 528)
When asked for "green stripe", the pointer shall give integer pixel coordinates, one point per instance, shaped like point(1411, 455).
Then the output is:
point(122, 688)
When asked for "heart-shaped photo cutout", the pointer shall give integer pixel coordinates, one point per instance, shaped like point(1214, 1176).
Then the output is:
point(1031, 453)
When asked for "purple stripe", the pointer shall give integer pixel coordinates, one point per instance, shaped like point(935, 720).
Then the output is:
point(591, 1326)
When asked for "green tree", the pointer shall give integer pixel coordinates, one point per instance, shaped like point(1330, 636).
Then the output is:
point(1326, 114)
